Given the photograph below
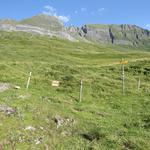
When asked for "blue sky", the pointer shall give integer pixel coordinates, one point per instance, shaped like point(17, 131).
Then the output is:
point(79, 12)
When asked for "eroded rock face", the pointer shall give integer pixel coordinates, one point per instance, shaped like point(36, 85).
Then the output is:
point(116, 34)
point(36, 30)
point(96, 34)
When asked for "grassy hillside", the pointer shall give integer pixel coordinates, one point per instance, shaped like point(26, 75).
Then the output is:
point(104, 119)
point(44, 21)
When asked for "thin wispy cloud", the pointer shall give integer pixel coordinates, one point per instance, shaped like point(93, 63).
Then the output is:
point(101, 9)
point(64, 18)
point(147, 26)
point(76, 12)
point(92, 12)
point(98, 11)
point(83, 9)
point(51, 11)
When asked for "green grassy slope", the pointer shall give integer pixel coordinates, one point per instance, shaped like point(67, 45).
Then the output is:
point(44, 21)
point(105, 119)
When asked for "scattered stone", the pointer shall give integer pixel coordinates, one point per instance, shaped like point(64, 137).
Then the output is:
point(4, 87)
point(7, 110)
point(38, 141)
point(70, 121)
point(30, 128)
point(42, 128)
point(17, 87)
point(60, 121)
point(20, 140)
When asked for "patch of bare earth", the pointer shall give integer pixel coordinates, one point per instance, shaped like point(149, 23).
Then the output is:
point(4, 87)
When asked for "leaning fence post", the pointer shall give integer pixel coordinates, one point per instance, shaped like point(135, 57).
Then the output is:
point(81, 88)
point(28, 82)
point(123, 62)
point(123, 79)
point(139, 84)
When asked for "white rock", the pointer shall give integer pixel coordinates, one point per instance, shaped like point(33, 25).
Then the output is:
point(30, 128)
point(41, 128)
point(17, 87)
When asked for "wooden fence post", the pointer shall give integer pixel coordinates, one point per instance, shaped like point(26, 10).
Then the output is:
point(123, 79)
point(28, 82)
point(139, 84)
point(81, 88)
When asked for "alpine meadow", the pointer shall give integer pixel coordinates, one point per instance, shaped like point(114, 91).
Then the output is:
point(73, 88)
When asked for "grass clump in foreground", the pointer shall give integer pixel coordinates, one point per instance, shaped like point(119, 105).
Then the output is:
point(105, 119)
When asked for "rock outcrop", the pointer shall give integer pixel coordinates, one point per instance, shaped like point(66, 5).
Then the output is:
point(7, 110)
point(116, 34)
point(40, 24)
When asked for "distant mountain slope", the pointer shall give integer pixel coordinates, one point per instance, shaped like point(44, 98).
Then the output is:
point(8, 21)
point(131, 35)
point(115, 34)
point(40, 24)
point(44, 21)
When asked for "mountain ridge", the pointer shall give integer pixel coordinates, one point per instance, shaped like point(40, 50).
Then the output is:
point(42, 24)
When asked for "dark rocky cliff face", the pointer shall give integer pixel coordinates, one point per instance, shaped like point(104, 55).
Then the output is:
point(116, 34)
